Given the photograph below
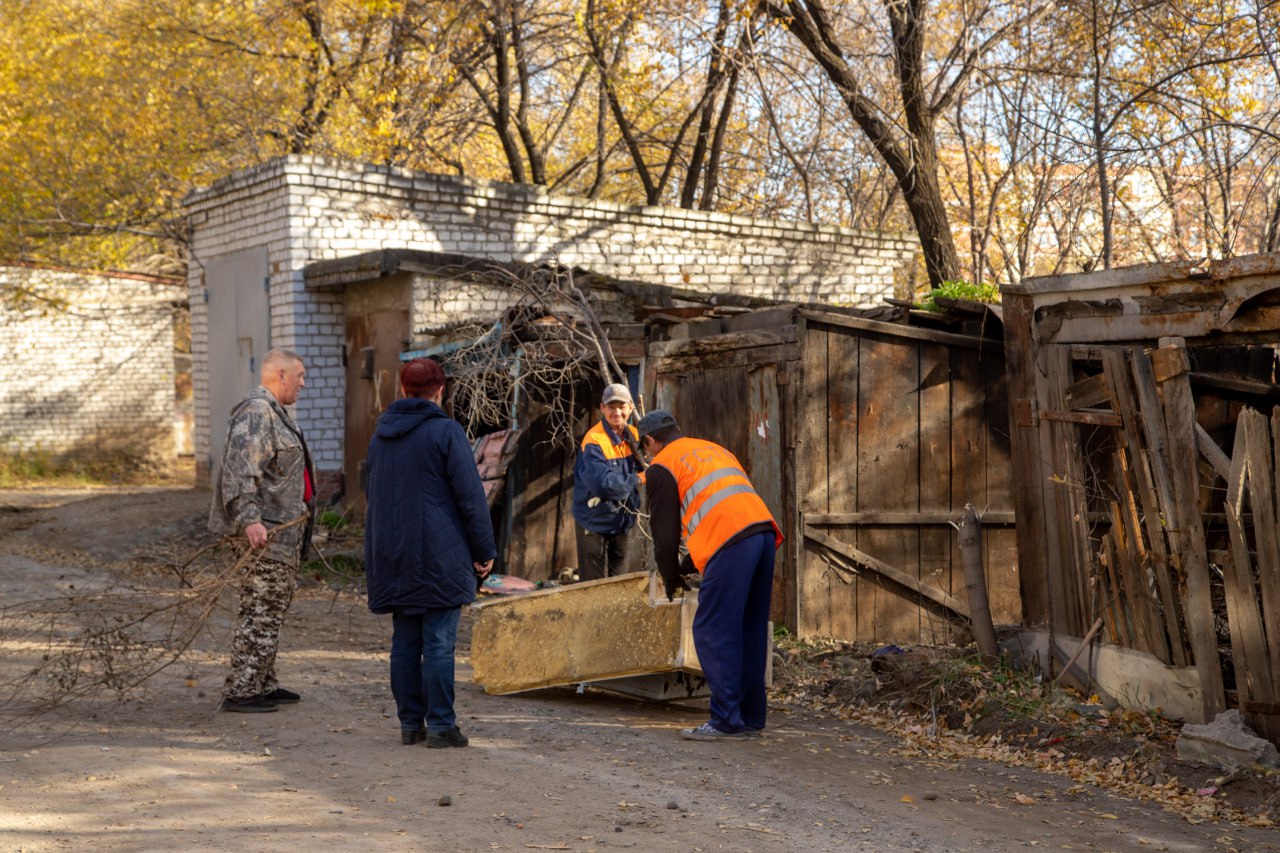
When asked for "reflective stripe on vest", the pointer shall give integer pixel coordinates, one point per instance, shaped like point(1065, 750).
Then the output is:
point(600, 438)
point(717, 500)
point(696, 490)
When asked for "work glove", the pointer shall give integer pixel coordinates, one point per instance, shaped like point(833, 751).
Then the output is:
point(673, 583)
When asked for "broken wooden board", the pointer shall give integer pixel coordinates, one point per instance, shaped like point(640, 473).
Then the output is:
point(613, 628)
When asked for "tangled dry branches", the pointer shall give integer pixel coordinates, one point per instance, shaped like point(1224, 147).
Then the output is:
point(112, 638)
point(547, 342)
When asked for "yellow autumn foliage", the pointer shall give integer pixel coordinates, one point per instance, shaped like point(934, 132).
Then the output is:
point(112, 110)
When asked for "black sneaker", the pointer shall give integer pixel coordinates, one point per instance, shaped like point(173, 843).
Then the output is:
point(409, 737)
point(284, 697)
point(260, 704)
point(452, 737)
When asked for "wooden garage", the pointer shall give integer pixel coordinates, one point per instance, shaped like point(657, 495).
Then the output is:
point(1144, 446)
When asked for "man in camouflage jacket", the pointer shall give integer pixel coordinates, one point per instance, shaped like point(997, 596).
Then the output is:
point(266, 481)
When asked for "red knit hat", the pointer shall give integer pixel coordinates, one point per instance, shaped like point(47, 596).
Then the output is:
point(421, 377)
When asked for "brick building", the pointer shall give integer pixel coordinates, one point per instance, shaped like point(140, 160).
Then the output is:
point(255, 233)
point(87, 364)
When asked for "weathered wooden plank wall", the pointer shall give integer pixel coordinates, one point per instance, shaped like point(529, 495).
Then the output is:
point(1113, 500)
point(539, 539)
point(899, 429)
point(827, 379)
point(1171, 367)
point(939, 564)
point(888, 424)
point(1252, 573)
point(867, 439)
point(764, 457)
point(1146, 372)
point(732, 388)
point(1028, 487)
point(1067, 495)
point(1129, 499)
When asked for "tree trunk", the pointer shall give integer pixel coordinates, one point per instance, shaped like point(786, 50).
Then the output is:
point(1100, 53)
point(502, 108)
point(537, 161)
point(711, 178)
point(911, 156)
point(702, 140)
point(1271, 241)
point(606, 66)
point(923, 197)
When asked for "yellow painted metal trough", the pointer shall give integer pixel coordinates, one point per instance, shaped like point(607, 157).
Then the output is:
point(617, 633)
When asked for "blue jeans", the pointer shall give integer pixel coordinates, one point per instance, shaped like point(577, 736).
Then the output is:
point(422, 668)
point(731, 631)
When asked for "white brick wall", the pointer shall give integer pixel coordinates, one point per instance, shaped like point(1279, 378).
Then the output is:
point(86, 363)
point(304, 209)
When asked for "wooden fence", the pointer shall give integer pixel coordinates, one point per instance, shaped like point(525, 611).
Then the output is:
point(899, 428)
point(866, 439)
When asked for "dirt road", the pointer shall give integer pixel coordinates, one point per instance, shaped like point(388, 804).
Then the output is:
point(555, 770)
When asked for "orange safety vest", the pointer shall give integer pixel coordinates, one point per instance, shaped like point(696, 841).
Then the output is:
point(717, 501)
point(597, 436)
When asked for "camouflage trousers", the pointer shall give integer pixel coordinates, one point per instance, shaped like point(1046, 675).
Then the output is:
point(266, 589)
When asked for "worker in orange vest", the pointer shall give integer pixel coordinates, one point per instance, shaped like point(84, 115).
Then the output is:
point(698, 492)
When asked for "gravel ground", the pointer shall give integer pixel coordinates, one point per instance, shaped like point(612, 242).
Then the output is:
point(553, 770)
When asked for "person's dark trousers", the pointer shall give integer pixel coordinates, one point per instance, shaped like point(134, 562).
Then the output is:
point(731, 631)
point(422, 662)
point(603, 556)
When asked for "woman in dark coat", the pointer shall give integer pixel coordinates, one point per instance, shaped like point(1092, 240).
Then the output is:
point(428, 538)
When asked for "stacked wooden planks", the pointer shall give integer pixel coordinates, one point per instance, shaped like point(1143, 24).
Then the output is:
point(1124, 497)
point(1251, 575)
point(1130, 523)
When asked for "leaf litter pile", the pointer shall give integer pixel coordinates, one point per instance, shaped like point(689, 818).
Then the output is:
point(942, 704)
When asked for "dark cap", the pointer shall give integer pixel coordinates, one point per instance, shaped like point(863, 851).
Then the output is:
point(654, 421)
point(421, 377)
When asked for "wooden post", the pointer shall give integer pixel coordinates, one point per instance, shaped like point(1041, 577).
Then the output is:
point(1035, 558)
point(1171, 365)
point(975, 582)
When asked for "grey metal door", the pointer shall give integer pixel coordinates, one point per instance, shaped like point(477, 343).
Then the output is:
point(239, 312)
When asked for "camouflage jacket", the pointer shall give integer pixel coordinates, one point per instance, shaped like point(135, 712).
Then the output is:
point(262, 476)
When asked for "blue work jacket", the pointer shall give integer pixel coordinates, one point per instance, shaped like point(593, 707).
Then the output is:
point(606, 482)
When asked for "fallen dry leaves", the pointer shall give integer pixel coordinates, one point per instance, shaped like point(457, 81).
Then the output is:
point(906, 698)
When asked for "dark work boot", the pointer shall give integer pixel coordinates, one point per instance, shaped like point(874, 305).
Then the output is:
point(284, 697)
point(452, 737)
point(260, 704)
point(409, 737)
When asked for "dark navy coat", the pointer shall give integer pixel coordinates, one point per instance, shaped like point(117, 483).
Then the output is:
point(427, 520)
